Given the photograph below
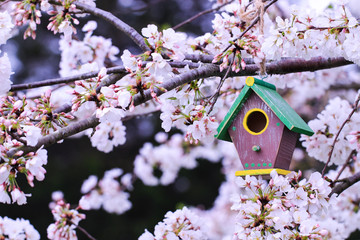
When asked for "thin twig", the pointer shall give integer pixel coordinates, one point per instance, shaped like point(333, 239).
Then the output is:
point(201, 14)
point(338, 133)
point(119, 24)
point(345, 165)
point(217, 93)
point(85, 232)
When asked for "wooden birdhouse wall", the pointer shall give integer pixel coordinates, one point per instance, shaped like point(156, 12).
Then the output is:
point(263, 129)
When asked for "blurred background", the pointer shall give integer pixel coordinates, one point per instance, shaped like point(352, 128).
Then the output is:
point(74, 160)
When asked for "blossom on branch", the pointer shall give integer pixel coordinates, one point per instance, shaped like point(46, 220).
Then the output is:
point(17, 229)
point(66, 219)
point(108, 193)
point(284, 208)
point(181, 224)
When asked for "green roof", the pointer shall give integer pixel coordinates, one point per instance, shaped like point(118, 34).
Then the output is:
point(267, 92)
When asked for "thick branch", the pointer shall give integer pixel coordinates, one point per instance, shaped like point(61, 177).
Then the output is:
point(119, 24)
point(291, 65)
point(202, 72)
point(346, 183)
point(208, 70)
point(118, 69)
point(59, 135)
point(82, 125)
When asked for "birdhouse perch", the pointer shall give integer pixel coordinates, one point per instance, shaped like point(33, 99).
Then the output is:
point(263, 128)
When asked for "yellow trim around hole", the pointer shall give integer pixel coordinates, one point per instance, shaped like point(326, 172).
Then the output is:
point(261, 172)
point(246, 117)
point(250, 81)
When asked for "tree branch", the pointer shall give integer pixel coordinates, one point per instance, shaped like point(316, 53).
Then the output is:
point(82, 125)
point(83, 230)
point(355, 107)
point(346, 183)
point(291, 65)
point(209, 70)
point(119, 69)
point(217, 93)
point(54, 81)
point(58, 135)
point(119, 24)
point(347, 163)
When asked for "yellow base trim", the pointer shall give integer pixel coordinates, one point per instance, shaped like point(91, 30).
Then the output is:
point(261, 172)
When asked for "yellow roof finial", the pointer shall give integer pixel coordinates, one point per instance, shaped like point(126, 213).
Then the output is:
point(250, 81)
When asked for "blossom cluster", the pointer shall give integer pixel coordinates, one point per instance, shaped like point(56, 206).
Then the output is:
point(66, 219)
point(285, 208)
point(346, 210)
point(148, 77)
point(6, 27)
point(16, 131)
point(168, 158)
point(184, 109)
point(181, 224)
point(92, 49)
point(167, 41)
point(23, 122)
point(331, 33)
point(17, 229)
point(27, 12)
point(326, 127)
point(107, 192)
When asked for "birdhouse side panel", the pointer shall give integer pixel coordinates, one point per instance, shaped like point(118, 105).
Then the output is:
point(286, 149)
point(256, 133)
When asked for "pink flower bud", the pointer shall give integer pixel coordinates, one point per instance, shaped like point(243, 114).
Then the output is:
point(102, 73)
point(323, 232)
point(19, 153)
point(48, 93)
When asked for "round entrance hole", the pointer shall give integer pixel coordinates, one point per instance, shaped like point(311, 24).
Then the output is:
point(256, 121)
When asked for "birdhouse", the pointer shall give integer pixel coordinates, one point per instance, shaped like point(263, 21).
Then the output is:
point(263, 128)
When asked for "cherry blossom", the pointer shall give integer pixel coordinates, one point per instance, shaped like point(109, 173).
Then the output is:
point(17, 229)
point(5, 73)
point(156, 157)
point(267, 210)
point(169, 74)
point(181, 224)
point(66, 220)
point(326, 127)
point(107, 192)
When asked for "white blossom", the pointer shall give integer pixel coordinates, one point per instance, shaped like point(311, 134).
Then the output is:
point(33, 134)
point(181, 224)
point(5, 72)
point(5, 27)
